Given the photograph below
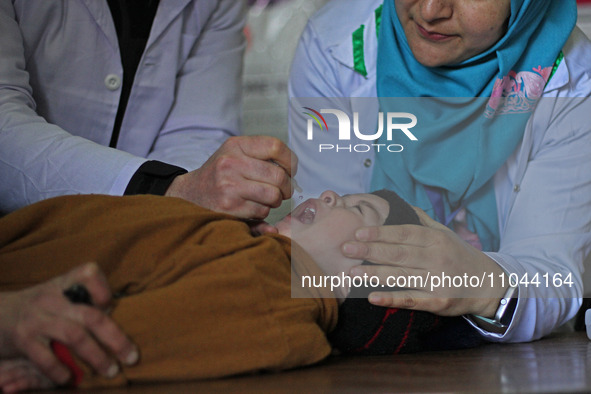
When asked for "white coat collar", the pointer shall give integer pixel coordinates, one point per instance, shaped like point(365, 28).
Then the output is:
point(343, 51)
point(167, 11)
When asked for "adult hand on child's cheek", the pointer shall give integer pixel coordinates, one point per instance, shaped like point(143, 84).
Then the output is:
point(34, 317)
point(245, 177)
point(429, 252)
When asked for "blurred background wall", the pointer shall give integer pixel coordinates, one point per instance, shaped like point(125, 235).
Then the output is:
point(273, 30)
point(584, 20)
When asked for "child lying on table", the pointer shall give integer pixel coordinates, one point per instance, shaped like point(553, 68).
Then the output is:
point(202, 297)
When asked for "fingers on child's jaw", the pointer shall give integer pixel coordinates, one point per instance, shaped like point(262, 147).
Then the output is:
point(378, 252)
point(355, 250)
point(399, 299)
point(381, 272)
point(371, 271)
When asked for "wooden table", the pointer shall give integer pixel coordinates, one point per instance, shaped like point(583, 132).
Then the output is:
point(560, 363)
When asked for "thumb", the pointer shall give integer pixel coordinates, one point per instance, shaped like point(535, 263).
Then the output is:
point(427, 221)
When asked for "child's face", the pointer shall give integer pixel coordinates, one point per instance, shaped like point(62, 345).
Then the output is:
point(322, 225)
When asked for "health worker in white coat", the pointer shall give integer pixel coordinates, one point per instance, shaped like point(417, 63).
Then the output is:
point(127, 96)
point(500, 162)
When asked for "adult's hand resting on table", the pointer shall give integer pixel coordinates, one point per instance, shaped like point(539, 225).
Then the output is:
point(428, 251)
point(32, 318)
point(246, 177)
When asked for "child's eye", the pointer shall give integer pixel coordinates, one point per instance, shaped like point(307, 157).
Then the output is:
point(359, 208)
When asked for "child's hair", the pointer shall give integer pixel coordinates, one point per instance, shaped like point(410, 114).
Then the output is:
point(364, 328)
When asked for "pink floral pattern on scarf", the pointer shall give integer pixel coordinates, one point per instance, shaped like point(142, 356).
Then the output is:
point(517, 92)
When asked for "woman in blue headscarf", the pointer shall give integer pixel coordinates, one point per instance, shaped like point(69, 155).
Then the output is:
point(499, 162)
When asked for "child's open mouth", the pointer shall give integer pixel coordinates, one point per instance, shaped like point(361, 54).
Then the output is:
point(306, 212)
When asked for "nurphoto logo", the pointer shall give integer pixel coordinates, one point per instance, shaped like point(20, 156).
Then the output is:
point(396, 122)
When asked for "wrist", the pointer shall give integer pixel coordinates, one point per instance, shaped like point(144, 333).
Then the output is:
point(153, 177)
point(175, 189)
point(491, 293)
point(491, 304)
point(503, 315)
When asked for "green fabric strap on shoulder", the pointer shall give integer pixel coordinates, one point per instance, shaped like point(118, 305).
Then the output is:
point(358, 51)
point(359, 44)
point(378, 13)
point(556, 64)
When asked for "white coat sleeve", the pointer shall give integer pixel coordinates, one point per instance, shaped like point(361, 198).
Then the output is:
point(547, 232)
point(39, 160)
point(207, 103)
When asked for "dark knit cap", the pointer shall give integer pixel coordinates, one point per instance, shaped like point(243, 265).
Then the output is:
point(368, 329)
point(400, 211)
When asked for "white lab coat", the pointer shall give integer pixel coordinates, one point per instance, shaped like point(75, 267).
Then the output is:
point(60, 78)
